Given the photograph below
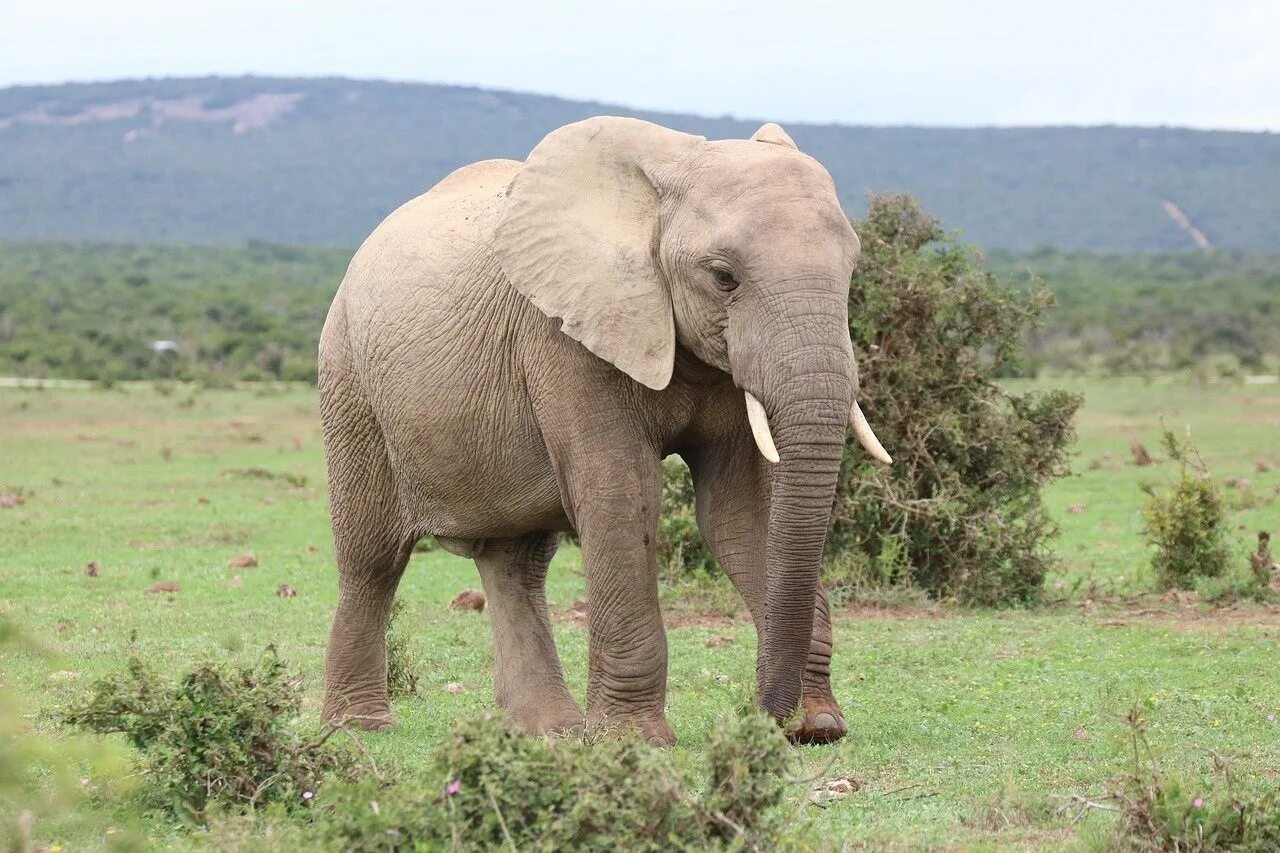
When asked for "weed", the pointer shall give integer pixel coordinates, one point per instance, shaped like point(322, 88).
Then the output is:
point(1187, 525)
point(402, 669)
point(1159, 812)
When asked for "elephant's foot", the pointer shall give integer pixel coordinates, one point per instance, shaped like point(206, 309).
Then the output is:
point(546, 719)
point(822, 722)
point(655, 730)
point(369, 716)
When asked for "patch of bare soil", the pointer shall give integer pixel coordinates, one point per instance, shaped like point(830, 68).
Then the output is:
point(907, 610)
point(1185, 612)
point(680, 617)
point(576, 615)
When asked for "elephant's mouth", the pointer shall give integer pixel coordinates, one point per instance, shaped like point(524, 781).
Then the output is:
point(769, 450)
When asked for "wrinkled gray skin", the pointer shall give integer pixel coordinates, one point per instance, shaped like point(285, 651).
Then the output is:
point(684, 272)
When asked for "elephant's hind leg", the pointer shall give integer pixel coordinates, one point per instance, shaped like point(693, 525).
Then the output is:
point(372, 549)
point(527, 675)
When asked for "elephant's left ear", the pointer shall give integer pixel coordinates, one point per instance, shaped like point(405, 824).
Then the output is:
point(774, 135)
point(580, 236)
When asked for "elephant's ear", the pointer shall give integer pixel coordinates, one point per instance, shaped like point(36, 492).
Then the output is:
point(579, 238)
point(774, 135)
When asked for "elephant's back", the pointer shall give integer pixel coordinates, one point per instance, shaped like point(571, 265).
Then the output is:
point(428, 263)
point(432, 327)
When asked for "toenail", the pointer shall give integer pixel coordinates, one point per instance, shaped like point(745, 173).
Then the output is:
point(824, 721)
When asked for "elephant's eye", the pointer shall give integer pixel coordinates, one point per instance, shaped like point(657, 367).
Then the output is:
point(724, 278)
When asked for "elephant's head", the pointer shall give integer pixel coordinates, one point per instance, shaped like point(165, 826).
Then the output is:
point(637, 237)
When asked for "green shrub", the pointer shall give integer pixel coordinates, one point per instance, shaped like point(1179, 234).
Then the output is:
point(960, 509)
point(1187, 525)
point(1163, 813)
point(490, 787)
point(218, 736)
point(959, 513)
point(681, 551)
point(402, 669)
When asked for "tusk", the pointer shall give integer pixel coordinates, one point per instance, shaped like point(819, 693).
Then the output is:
point(862, 430)
point(760, 428)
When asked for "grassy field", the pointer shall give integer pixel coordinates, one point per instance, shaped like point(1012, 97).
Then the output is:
point(968, 728)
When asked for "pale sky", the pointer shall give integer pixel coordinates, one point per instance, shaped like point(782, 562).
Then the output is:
point(1199, 63)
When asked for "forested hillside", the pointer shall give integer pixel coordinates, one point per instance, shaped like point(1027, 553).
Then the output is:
point(94, 311)
point(322, 161)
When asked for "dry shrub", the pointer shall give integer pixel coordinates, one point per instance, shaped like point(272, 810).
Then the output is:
point(1158, 812)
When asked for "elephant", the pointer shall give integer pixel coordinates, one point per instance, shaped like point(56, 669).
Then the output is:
point(511, 355)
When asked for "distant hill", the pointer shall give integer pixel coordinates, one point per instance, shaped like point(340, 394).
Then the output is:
point(222, 160)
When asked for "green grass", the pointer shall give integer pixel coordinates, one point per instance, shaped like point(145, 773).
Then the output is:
point(951, 712)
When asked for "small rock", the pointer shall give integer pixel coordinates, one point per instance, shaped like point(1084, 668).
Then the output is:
point(835, 789)
point(468, 599)
point(719, 640)
point(453, 687)
point(163, 586)
point(286, 591)
point(92, 569)
point(247, 560)
point(236, 582)
point(11, 500)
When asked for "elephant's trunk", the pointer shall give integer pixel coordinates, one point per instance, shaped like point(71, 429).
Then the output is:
point(809, 431)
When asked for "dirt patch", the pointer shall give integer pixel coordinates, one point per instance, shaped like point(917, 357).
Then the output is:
point(1184, 611)
point(576, 615)
point(677, 617)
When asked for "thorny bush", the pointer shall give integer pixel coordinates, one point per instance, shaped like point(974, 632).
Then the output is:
point(959, 513)
point(217, 736)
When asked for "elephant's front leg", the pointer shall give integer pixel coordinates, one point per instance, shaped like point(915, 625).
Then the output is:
point(617, 520)
point(731, 482)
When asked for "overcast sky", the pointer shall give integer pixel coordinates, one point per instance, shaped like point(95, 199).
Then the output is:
point(1202, 63)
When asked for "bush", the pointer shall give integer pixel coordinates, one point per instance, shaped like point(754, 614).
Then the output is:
point(493, 787)
point(402, 669)
point(681, 551)
point(1187, 525)
point(217, 736)
point(1162, 813)
point(959, 513)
